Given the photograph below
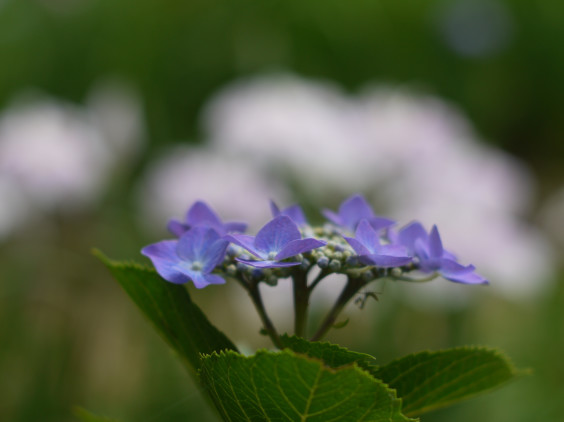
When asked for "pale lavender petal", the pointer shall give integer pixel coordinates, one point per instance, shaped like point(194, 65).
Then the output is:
point(408, 235)
point(165, 250)
point(202, 280)
point(235, 226)
point(466, 278)
point(213, 255)
point(177, 228)
point(298, 246)
point(449, 266)
point(295, 212)
point(379, 223)
point(246, 242)
point(358, 247)
point(194, 244)
point(332, 217)
point(267, 264)
point(385, 261)
point(435, 243)
point(421, 249)
point(274, 209)
point(165, 260)
point(353, 210)
point(201, 214)
point(276, 234)
point(394, 250)
point(366, 235)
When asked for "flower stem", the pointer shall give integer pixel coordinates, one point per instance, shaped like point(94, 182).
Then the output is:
point(349, 291)
point(301, 302)
point(254, 293)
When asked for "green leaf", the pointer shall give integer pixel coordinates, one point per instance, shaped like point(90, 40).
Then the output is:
point(430, 380)
point(332, 355)
point(169, 307)
point(85, 416)
point(284, 386)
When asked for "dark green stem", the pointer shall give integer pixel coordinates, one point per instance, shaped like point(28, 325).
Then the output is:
point(301, 302)
point(254, 293)
point(350, 290)
point(322, 274)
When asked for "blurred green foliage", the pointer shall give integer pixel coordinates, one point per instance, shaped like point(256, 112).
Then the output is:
point(69, 336)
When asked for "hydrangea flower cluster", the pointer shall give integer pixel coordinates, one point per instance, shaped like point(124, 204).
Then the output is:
point(354, 242)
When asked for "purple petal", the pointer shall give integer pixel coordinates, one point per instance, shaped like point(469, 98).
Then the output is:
point(358, 247)
point(379, 223)
point(410, 233)
point(353, 210)
point(276, 234)
point(202, 280)
point(366, 235)
point(235, 227)
point(201, 214)
point(332, 217)
point(165, 260)
point(177, 228)
point(246, 242)
point(448, 266)
point(394, 250)
point(435, 244)
point(213, 255)
point(267, 264)
point(385, 261)
point(298, 246)
point(466, 278)
point(195, 243)
point(274, 209)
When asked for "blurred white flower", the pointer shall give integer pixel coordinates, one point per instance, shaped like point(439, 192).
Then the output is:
point(60, 157)
point(52, 153)
point(236, 189)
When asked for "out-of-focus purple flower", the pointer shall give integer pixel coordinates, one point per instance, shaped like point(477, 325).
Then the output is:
point(192, 257)
point(295, 212)
point(366, 244)
point(277, 240)
point(200, 214)
point(428, 248)
point(352, 211)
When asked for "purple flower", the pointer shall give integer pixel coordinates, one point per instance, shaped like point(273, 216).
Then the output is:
point(200, 214)
point(366, 244)
point(192, 257)
point(277, 240)
point(354, 209)
point(295, 212)
point(428, 248)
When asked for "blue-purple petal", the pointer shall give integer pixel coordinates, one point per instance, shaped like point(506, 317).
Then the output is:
point(276, 234)
point(165, 260)
point(235, 226)
point(385, 261)
point(408, 235)
point(298, 246)
point(435, 243)
point(177, 228)
point(202, 280)
point(466, 278)
point(366, 235)
point(246, 242)
point(332, 217)
point(201, 214)
point(194, 245)
point(353, 210)
point(358, 247)
point(379, 223)
point(267, 264)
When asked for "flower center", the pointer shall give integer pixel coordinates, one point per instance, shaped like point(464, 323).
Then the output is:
point(196, 266)
point(271, 256)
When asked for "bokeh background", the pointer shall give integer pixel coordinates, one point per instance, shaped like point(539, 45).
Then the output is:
point(116, 115)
